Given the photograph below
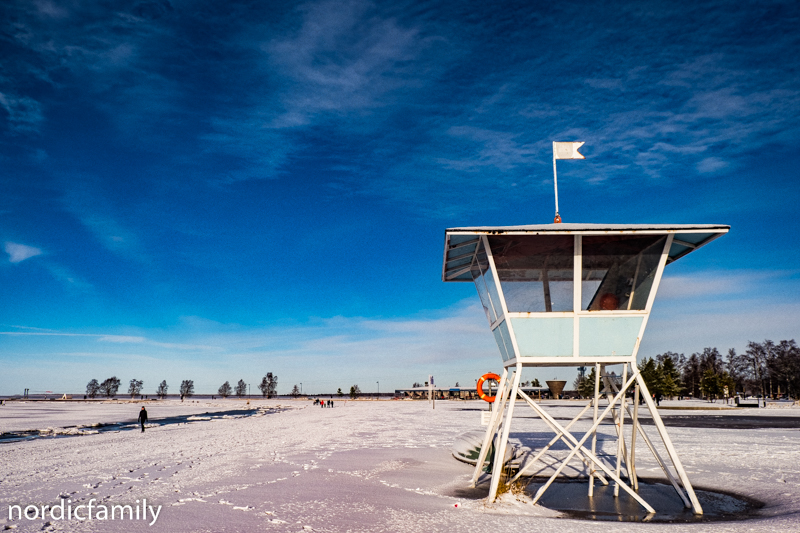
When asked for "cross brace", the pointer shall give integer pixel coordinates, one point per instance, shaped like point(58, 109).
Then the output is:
point(617, 406)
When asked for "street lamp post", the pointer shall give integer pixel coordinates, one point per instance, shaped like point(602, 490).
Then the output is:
point(379, 388)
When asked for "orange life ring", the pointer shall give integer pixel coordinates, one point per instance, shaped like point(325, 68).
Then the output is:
point(485, 397)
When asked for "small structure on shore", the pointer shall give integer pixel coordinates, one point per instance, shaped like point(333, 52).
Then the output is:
point(556, 387)
point(571, 295)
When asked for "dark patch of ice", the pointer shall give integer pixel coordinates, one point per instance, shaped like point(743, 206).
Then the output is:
point(75, 431)
point(571, 498)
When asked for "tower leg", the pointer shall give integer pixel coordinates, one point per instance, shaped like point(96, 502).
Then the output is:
point(502, 444)
point(658, 457)
point(494, 424)
point(597, 371)
point(622, 451)
point(673, 455)
point(632, 454)
point(620, 434)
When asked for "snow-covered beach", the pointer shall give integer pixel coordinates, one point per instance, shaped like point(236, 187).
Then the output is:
point(361, 466)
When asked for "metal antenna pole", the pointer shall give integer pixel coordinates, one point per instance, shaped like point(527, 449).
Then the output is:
point(557, 219)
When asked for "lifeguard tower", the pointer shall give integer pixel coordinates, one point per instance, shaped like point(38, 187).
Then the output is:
point(559, 295)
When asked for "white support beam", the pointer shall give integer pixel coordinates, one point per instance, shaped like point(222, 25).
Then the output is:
point(577, 286)
point(502, 443)
point(656, 455)
point(684, 243)
point(598, 369)
point(494, 423)
point(594, 458)
point(673, 455)
point(561, 433)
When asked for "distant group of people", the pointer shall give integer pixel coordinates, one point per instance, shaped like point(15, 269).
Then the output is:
point(323, 403)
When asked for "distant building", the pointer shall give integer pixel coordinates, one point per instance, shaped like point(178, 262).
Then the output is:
point(454, 393)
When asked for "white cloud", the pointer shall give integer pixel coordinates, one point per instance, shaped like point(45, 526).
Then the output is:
point(122, 339)
point(343, 57)
point(20, 252)
point(454, 343)
point(721, 284)
point(50, 9)
point(24, 113)
point(688, 329)
point(711, 164)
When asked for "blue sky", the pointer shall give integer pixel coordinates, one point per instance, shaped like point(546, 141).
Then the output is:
point(212, 191)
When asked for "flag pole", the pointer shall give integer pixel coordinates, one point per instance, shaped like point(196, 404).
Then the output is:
point(557, 219)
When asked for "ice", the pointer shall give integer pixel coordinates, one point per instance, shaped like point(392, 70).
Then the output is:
point(361, 466)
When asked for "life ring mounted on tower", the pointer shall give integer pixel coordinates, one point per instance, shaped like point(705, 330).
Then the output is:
point(484, 378)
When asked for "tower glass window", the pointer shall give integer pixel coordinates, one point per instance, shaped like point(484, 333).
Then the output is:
point(480, 270)
point(618, 271)
point(535, 271)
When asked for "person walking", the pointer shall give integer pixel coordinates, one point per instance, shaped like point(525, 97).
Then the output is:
point(143, 417)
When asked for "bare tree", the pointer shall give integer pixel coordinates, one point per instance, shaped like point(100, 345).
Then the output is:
point(187, 388)
point(295, 391)
point(269, 385)
point(225, 390)
point(161, 391)
point(109, 387)
point(92, 388)
point(354, 391)
point(135, 387)
point(241, 388)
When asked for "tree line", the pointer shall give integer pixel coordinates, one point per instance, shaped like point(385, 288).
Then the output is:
point(268, 387)
point(355, 391)
point(766, 369)
point(110, 387)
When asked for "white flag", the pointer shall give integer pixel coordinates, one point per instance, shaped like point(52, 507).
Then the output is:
point(567, 150)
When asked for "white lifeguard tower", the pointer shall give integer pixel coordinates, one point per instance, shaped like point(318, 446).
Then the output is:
point(571, 295)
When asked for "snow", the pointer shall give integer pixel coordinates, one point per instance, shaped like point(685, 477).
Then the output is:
point(361, 466)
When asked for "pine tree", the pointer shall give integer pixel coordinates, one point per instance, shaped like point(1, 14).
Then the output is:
point(586, 386)
point(651, 375)
point(710, 385)
point(671, 378)
point(692, 375)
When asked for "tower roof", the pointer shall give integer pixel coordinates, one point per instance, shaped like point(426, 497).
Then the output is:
point(461, 242)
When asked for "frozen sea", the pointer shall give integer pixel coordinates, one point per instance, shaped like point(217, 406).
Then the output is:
point(286, 465)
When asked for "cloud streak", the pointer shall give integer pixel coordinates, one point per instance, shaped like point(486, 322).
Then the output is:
point(20, 252)
point(484, 98)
